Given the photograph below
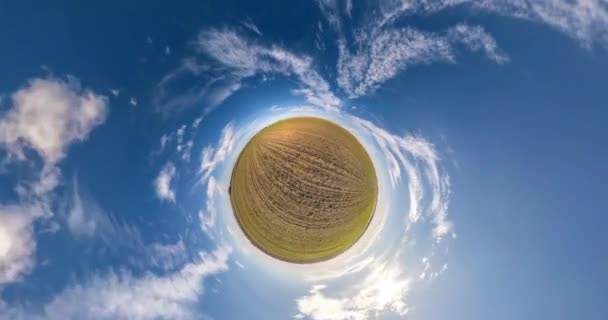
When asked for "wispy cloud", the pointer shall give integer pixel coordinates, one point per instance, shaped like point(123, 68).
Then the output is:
point(214, 155)
point(248, 23)
point(180, 138)
point(83, 219)
point(380, 49)
point(384, 54)
point(197, 84)
point(583, 20)
point(224, 59)
point(167, 256)
point(162, 183)
point(476, 38)
point(123, 295)
point(380, 54)
point(86, 219)
point(207, 217)
point(385, 288)
point(412, 154)
point(244, 58)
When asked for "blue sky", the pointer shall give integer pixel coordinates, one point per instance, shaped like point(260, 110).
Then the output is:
point(120, 123)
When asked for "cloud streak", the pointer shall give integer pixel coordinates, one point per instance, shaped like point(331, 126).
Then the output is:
point(123, 295)
point(380, 54)
point(244, 59)
point(385, 288)
point(211, 156)
point(411, 153)
point(378, 49)
point(583, 20)
point(163, 182)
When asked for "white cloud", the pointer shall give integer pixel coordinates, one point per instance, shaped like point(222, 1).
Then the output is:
point(185, 150)
point(133, 101)
point(248, 23)
point(245, 58)
point(384, 289)
point(47, 116)
point(17, 243)
point(80, 221)
point(230, 58)
point(583, 20)
point(211, 156)
point(207, 217)
point(331, 10)
point(383, 54)
point(477, 39)
point(209, 89)
point(412, 154)
point(163, 183)
point(122, 295)
point(167, 256)
point(184, 141)
point(380, 50)
point(86, 218)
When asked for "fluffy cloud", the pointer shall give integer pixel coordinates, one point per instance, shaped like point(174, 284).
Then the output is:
point(163, 183)
point(385, 288)
point(17, 244)
point(46, 116)
point(122, 295)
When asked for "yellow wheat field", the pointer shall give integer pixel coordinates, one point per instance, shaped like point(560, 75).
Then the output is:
point(303, 190)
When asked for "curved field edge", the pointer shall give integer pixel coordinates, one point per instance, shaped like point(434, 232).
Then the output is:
point(336, 245)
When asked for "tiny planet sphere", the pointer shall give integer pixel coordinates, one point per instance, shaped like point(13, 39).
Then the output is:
point(303, 190)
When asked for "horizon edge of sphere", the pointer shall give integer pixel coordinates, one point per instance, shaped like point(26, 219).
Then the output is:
point(319, 220)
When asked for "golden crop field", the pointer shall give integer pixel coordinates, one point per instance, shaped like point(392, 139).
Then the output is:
point(303, 190)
